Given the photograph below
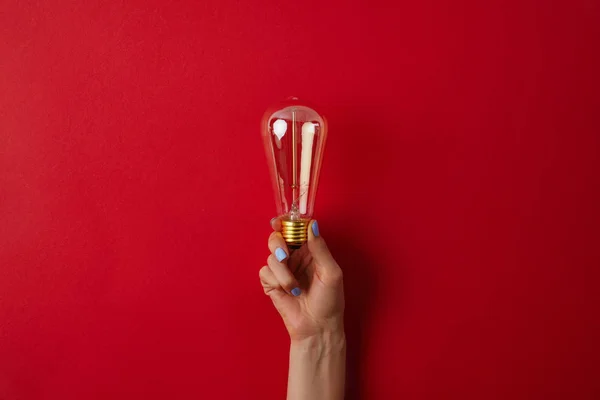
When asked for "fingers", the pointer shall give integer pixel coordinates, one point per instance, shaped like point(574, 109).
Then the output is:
point(281, 300)
point(276, 241)
point(267, 279)
point(326, 267)
point(276, 276)
point(276, 224)
point(284, 276)
point(269, 282)
point(277, 261)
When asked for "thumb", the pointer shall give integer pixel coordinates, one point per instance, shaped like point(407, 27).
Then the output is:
point(326, 267)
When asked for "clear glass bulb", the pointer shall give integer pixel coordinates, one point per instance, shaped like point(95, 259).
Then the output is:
point(294, 136)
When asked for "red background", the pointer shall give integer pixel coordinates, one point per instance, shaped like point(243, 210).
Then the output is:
point(459, 193)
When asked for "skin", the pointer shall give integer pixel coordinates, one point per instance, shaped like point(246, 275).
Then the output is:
point(313, 318)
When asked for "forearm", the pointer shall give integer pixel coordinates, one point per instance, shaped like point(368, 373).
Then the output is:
point(318, 368)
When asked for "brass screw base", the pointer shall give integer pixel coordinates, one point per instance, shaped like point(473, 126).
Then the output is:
point(295, 232)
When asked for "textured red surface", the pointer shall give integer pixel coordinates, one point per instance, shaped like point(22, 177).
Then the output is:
point(135, 199)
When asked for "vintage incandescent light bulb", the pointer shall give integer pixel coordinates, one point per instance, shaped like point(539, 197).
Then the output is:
point(294, 136)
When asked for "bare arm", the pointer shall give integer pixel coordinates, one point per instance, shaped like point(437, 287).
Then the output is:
point(317, 368)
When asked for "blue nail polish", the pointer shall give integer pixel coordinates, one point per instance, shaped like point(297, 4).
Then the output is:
point(296, 291)
point(280, 254)
point(315, 228)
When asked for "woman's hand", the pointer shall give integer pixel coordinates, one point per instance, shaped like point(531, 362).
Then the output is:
point(305, 286)
point(307, 289)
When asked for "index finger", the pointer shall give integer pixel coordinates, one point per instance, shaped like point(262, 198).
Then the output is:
point(276, 241)
point(276, 224)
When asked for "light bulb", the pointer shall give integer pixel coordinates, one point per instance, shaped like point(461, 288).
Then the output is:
point(294, 137)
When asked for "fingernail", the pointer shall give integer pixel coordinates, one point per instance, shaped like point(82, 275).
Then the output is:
point(273, 220)
point(315, 228)
point(296, 291)
point(280, 254)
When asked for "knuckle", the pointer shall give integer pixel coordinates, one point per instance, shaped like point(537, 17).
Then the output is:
point(263, 271)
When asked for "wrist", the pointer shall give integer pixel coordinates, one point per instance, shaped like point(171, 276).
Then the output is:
point(323, 343)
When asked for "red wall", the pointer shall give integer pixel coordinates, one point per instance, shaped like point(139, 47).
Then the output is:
point(459, 193)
